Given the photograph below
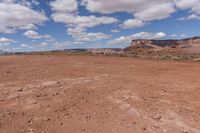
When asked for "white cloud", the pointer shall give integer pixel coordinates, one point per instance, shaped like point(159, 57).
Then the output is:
point(24, 45)
point(6, 30)
point(32, 34)
point(142, 9)
point(28, 27)
point(183, 35)
point(6, 40)
point(61, 45)
point(7, 1)
point(156, 12)
point(115, 31)
point(186, 4)
point(35, 35)
point(28, 3)
point(193, 5)
point(82, 21)
point(132, 23)
point(78, 25)
point(44, 44)
point(190, 17)
point(141, 35)
point(66, 6)
point(17, 16)
point(81, 35)
point(120, 40)
point(5, 43)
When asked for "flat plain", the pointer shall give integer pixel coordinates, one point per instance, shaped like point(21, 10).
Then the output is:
point(93, 94)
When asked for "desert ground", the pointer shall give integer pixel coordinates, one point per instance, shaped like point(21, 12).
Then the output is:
point(91, 94)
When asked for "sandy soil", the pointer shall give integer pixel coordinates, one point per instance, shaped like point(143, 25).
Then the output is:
point(84, 94)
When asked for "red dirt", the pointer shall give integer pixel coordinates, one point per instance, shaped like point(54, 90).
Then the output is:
point(85, 94)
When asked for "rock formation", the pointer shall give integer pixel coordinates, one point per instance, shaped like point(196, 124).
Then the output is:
point(189, 44)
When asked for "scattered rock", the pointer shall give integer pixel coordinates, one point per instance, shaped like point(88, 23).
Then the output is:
point(197, 60)
point(21, 89)
point(30, 130)
point(2, 100)
point(8, 113)
point(47, 119)
point(29, 121)
point(157, 117)
point(83, 129)
point(60, 123)
point(35, 102)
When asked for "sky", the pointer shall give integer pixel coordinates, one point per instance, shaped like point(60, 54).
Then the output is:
point(40, 25)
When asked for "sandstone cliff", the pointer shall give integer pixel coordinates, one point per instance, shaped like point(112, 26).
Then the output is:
point(191, 45)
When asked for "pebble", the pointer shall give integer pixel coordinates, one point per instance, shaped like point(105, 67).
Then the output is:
point(21, 89)
point(60, 123)
point(30, 130)
point(83, 129)
point(8, 113)
point(35, 102)
point(157, 117)
point(29, 121)
point(2, 100)
point(47, 119)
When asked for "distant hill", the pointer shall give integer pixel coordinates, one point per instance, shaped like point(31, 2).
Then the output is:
point(189, 45)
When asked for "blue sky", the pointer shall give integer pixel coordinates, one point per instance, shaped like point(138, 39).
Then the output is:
point(29, 25)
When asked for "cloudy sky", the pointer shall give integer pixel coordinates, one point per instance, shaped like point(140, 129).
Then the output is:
point(29, 25)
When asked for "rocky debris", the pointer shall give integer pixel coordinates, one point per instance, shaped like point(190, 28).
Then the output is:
point(197, 60)
point(157, 117)
point(30, 130)
point(60, 123)
point(20, 90)
point(29, 121)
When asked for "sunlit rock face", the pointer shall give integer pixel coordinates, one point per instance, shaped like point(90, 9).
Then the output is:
point(189, 44)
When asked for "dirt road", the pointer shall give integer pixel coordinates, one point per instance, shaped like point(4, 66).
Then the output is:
point(84, 94)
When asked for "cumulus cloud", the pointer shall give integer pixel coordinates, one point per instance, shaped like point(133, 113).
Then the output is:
point(115, 31)
point(66, 6)
point(144, 10)
point(185, 4)
point(28, 3)
point(24, 46)
point(35, 35)
point(190, 17)
point(141, 35)
point(82, 35)
point(17, 16)
point(192, 5)
point(5, 43)
point(82, 21)
point(6, 40)
point(141, 9)
point(61, 45)
point(44, 44)
point(28, 27)
point(77, 25)
point(32, 34)
point(157, 12)
point(132, 23)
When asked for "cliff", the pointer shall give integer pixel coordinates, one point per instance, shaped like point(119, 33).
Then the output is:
point(187, 45)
